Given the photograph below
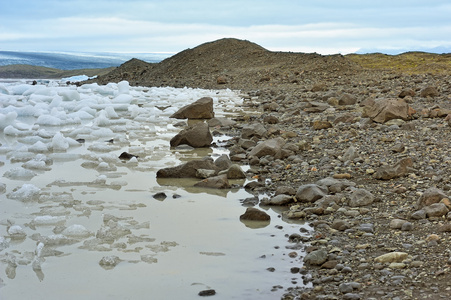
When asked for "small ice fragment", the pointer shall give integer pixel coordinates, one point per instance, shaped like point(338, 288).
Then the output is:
point(109, 262)
point(16, 232)
point(27, 192)
point(149, 258)
point(48, 220)
point(19, 174)
point(59, 142)
point(77, 231)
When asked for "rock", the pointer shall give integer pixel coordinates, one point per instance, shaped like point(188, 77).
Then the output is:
point(350, 154)
point(383, 110)
point(216, 182)
point(361, 197)
point(310, 193)
point(396, 223)
point(109, 262)
point(271, 147)
point(391, 257)
point(197, 136)
point(340, 225)
point(345, 288)
point(221, 80)
point(278, 200)
point(160, 196)
point(223, 162)
point(16, 232)
point(401, 168)
point(187, 170)
point(406, 92)
point(235, 172)
point(127, 156)
point(318, 125)
point(317, 257)
point(407, 226)
point(256, 129)
point(347, 99)
point(430, 196)
point(436, 210)
point(205, 173)
point(207, 293)
point(254, 214)
point(429, 91)
point(319, 86)
point(419, 215)
point(221, 122)
point(200, 109)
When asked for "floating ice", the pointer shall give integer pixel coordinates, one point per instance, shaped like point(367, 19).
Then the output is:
point(123, 87)
point(3, 243)
point(19, 174)
point(69, 95)
point(7, 119)
point(16, 232)
point(48, 120)
point(59, 142)
point(77, 231)
point(48, 220)
point(38, 147)
point(2, 187)
point(109, 262)
point(27, 192)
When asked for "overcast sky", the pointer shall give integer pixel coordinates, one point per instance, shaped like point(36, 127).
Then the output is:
point(323, 26)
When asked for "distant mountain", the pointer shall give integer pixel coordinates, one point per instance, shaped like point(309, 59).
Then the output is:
point(73, 61)
point(436, 50)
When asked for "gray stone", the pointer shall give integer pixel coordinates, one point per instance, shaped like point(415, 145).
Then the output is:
point(223, 162)
point(396, 223)
point(407, 226)
point(200, 109)
point(340, 225)
point(345, 287)
point(347, 99)
point(221, 122)
point(317, 257)
point(256, 129)
point(419, 215)
point(401, 168)
point(235, 172)
point(361, 197)
point(281, 199)
point(272, 147)
point(310, 193)
point(197, 136)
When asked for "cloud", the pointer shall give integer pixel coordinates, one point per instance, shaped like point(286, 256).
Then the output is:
point(114, 34)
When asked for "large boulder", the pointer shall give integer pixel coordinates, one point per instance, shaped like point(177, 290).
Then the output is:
point(383, 110)
point(271, 147)
point(188, 169)
point(196, 136)
point(200, 109)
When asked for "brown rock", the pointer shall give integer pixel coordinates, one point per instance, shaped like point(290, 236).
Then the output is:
point(383, 110)
point(200, 109)
point(197, 136)
point(430, 196)
point(406, 92)
point(187, 170)
point(401, 168)
point(436, 210)
point(318, 125)
point(216, 182)
point(221, 80)
point(254, 214)
point(429, 91)
point(347, 99)
point(271, 147)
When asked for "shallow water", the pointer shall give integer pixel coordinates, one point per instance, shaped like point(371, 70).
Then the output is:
point(174, 248)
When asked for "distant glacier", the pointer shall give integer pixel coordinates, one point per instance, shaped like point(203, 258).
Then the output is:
point(75, 60)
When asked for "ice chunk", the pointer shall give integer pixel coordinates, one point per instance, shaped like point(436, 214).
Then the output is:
point(38, 147)
point(7, 119)
point(77, 231)
point(59, 142)
point(111, 113)
point(27, 192)
point(48, 220)
point(122, 99)
point(36, 165)
point(102, 119)
point(2, 187)
point(123, 87)
point(3, 243)
point(48, 120)
point(103, 133)
point(69, 95)
point(19, 174)
point(16, 232)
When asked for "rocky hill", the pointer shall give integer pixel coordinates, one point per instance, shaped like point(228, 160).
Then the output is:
point(240, 64)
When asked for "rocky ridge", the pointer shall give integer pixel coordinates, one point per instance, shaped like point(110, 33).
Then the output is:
point(362, 155)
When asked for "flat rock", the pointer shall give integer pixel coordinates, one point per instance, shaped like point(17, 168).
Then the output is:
point(278, 200)
point(187, 170)
point(271, 147)
point(391, 257)
point(216, 182)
